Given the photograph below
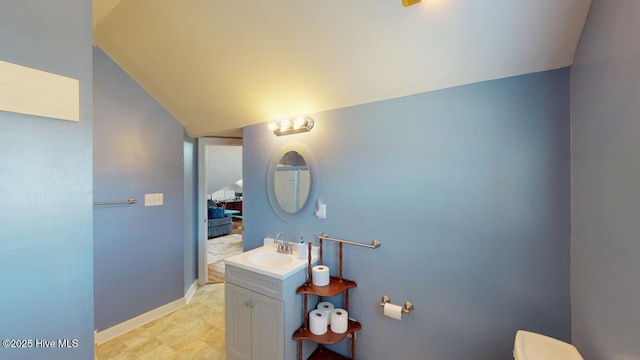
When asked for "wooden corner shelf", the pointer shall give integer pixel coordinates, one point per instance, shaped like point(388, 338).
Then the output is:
point(326, 354)
point(335, 287)
point(329, 337)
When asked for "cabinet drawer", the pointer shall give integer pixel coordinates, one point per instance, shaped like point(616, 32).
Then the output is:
point(250, 280)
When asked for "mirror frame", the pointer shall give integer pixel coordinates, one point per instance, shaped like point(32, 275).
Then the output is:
point(305, 152)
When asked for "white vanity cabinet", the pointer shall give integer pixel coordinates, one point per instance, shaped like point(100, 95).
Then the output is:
point(246, 311)
point(261, 314)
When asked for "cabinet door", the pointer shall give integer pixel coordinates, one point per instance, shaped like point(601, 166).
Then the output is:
point(268, 328)
point(238, 313)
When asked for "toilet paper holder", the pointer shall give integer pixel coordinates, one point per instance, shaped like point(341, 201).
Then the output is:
point(408, 307)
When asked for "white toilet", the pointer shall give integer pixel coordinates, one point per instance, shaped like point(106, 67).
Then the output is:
point(532, 346)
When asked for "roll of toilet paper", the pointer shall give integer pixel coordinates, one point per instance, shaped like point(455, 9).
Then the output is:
point(318, 322)
point(339, 321)
point(327, 307)
point(320, 275)
point(393, 311)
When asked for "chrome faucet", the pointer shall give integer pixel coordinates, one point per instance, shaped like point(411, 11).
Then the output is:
point(283, 245)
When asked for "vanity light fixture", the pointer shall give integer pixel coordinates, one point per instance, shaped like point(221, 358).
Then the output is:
point(291, 126)
point(406, 3)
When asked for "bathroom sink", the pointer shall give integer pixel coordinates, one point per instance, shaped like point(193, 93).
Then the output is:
point(269, 259)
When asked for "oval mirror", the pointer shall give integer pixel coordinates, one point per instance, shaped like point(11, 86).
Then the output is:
point(292, 182)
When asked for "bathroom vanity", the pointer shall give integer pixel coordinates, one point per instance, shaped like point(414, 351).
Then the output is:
point(262, 309)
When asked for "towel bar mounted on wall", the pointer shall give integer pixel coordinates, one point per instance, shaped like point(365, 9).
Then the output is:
point(374, 244)
point(130, 201)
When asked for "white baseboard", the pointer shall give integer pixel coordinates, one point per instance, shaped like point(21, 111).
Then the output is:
point(117, 330)
point(191, 291)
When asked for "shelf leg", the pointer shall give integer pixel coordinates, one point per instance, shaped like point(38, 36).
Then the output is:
point(340, 260)
point(353, 346)
point(304, 312)
point(346, 300)
point(309, 278)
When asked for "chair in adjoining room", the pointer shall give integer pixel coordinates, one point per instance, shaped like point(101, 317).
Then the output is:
point(219, 222)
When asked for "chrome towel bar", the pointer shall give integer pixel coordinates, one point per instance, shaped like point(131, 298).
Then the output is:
point(374, 244)
point(130, 201)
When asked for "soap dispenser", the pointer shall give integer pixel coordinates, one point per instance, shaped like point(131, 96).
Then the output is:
point(302, 249)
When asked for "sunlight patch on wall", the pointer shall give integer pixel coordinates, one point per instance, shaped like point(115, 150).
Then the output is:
point(34, 92)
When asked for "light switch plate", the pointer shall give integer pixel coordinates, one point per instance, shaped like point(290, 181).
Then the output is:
point(153, 199)
point(322, 211)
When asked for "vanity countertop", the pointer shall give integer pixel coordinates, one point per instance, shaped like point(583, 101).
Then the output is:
point(267, 261)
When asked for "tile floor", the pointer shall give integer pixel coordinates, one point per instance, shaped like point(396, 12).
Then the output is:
point(194, 332)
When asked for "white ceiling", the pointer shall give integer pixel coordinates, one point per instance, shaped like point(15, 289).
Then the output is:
point(220, 65)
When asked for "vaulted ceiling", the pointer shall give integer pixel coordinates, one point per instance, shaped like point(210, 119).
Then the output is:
point(220, 65)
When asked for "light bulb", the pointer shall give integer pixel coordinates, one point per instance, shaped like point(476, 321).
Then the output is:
point(299, 123)
point(284, 125)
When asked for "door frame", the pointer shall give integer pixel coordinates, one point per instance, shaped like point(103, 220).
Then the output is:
point(202, 229)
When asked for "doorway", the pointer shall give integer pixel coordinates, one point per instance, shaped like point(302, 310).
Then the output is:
point(219, 187)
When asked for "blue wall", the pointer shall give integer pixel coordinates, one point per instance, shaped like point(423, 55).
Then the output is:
point(138, 149)
point(468, 191)
point(46, 245)
point(605, 87)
